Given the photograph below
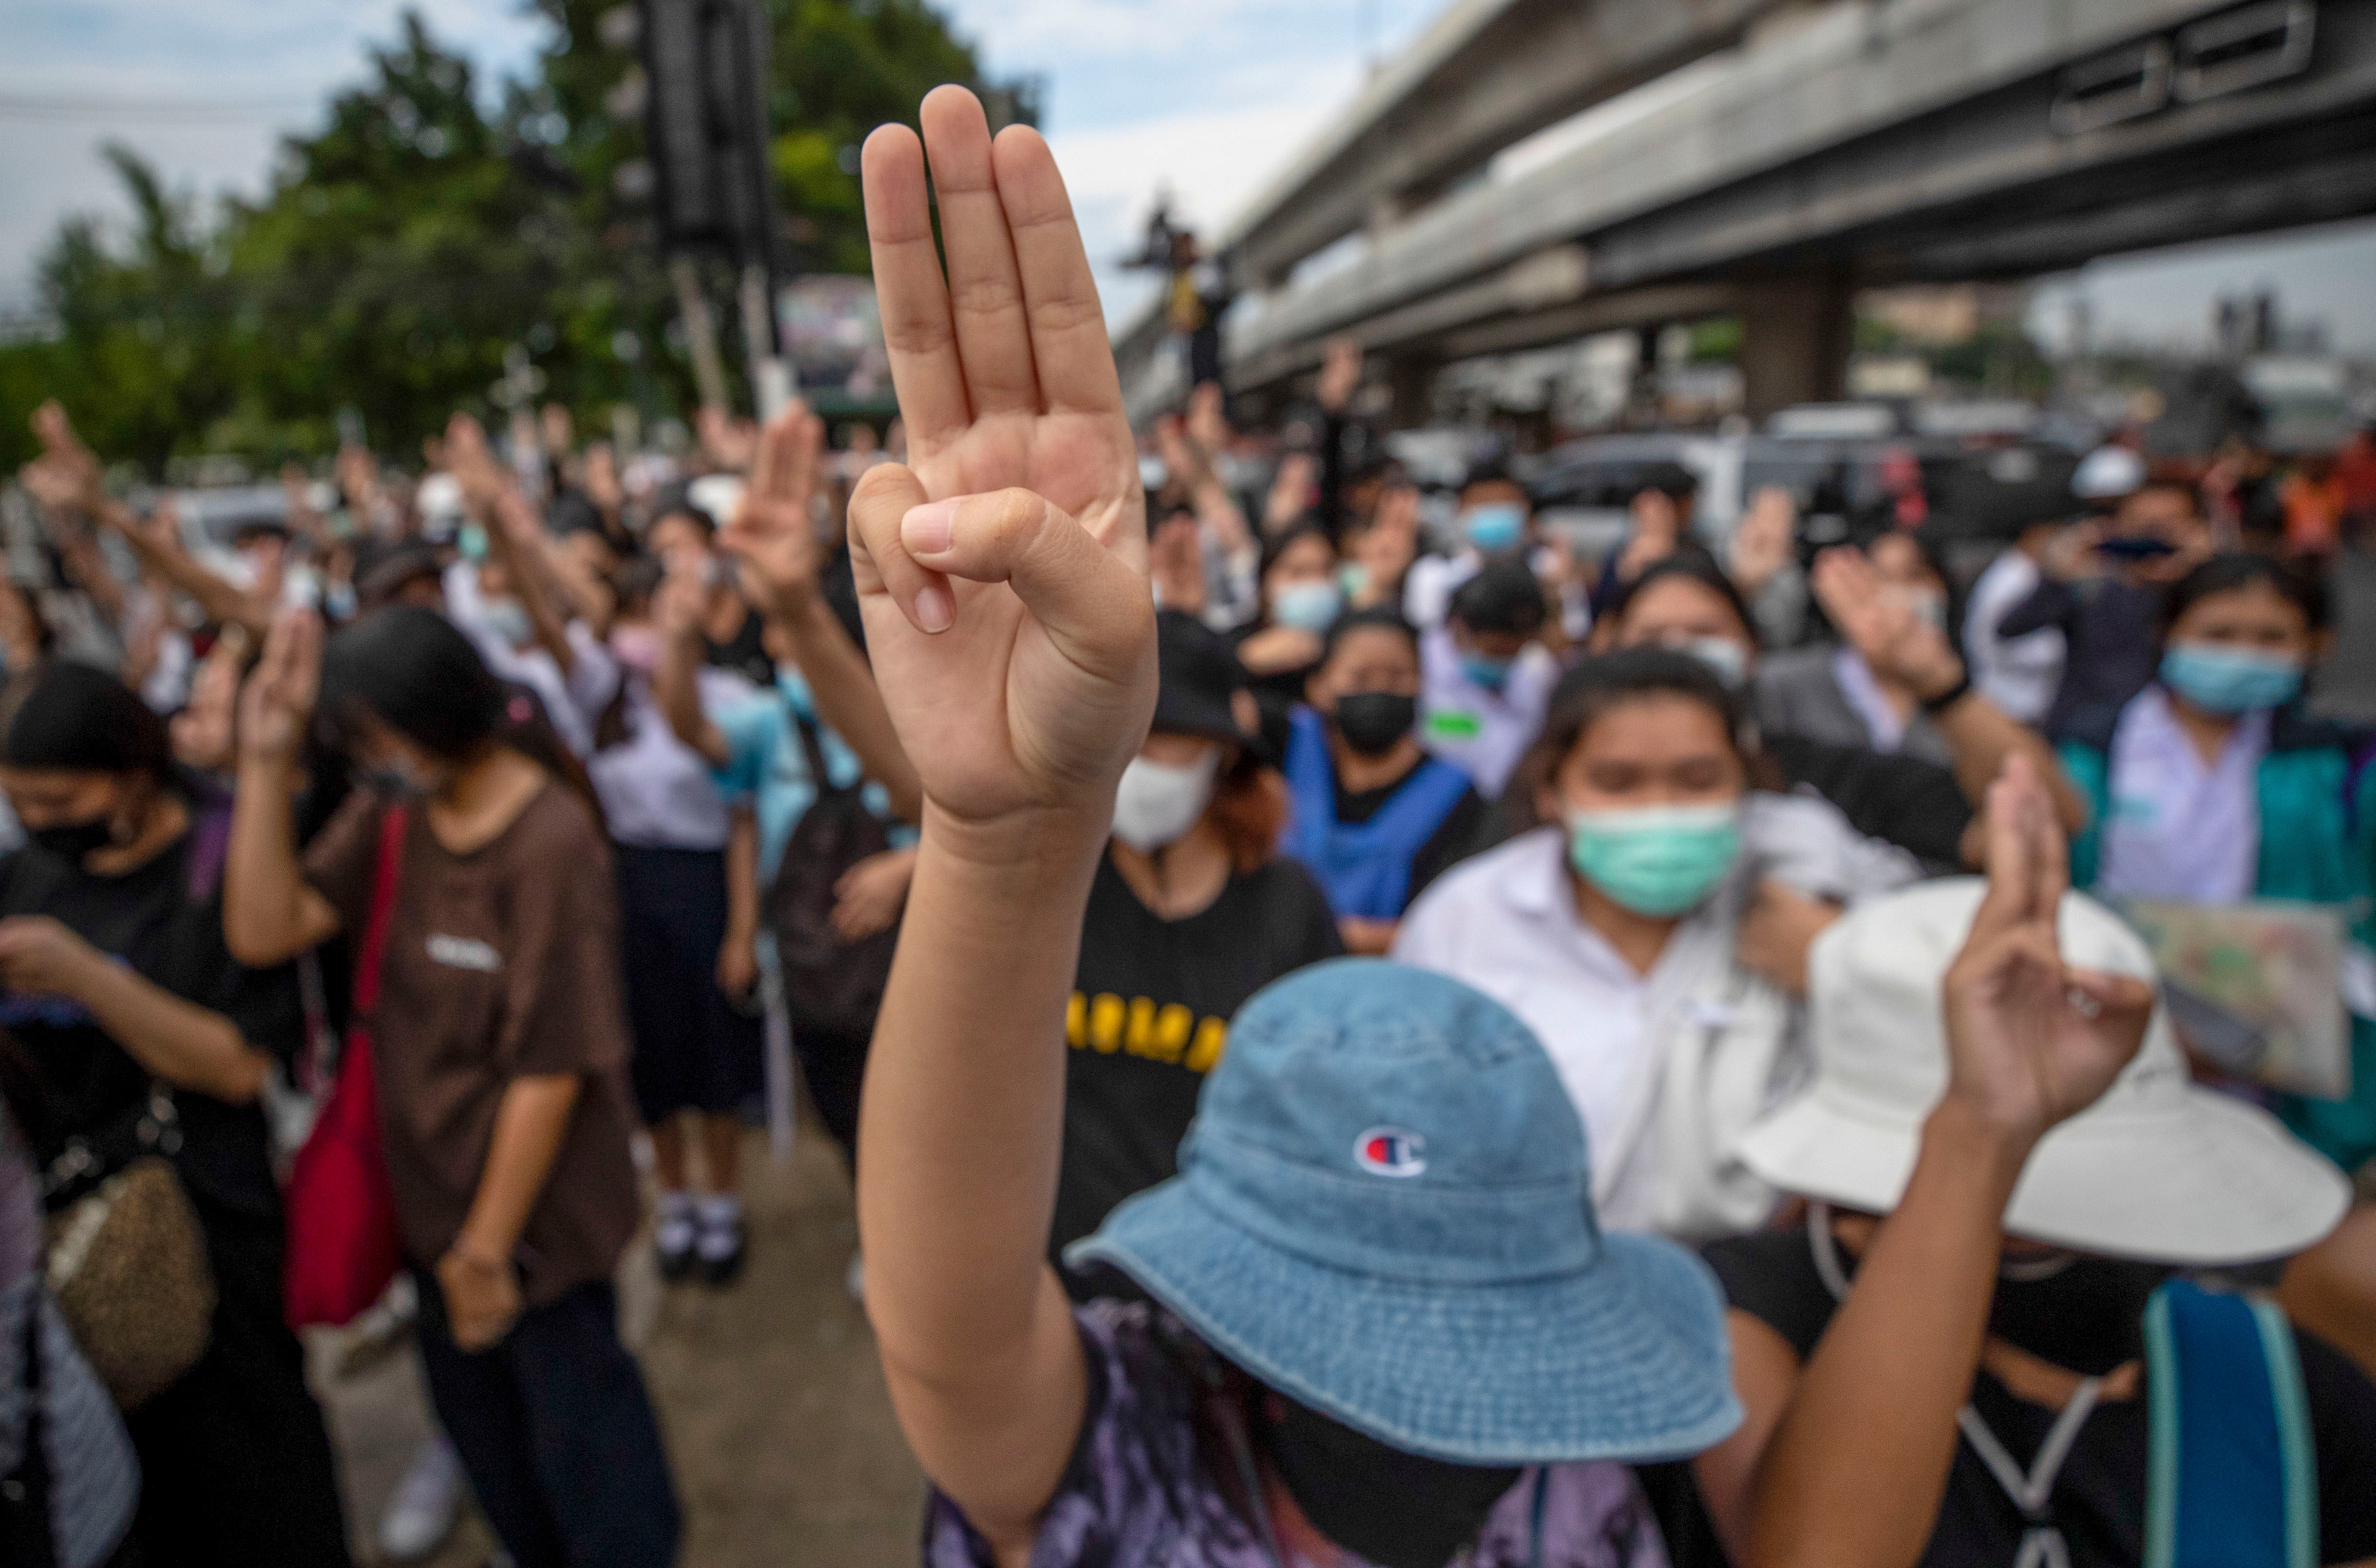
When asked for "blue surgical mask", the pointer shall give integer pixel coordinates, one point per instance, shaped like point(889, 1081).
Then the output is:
point(2229, 680)
point(1496, 527)
point(1655, 860)
point(1487, 671)
point(1308, 607)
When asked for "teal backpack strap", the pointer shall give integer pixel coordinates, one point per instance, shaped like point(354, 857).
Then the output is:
point(2231, 1476)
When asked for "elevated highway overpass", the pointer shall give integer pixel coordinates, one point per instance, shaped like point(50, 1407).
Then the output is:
point(1810, 151)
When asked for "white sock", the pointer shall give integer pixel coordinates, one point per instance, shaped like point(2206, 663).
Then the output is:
point(720, 1222)
point(675, 1228)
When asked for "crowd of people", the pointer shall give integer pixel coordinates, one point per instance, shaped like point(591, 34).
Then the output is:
point(1360, 1042)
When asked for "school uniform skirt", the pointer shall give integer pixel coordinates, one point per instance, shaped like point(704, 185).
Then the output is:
point(695, 1049)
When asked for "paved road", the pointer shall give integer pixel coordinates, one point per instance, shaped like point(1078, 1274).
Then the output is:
point(781, 1436)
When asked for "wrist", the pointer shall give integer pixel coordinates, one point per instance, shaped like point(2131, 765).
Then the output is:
point(1941, 689)
point(1980, 1138)
point(479, 1254)
point(1035, 843)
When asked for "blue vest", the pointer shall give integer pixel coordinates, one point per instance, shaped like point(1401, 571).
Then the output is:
point(1365, 868)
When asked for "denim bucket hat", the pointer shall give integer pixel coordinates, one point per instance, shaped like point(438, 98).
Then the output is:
point(1385, 1212)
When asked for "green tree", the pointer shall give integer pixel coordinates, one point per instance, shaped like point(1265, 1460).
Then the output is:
point(429, 227)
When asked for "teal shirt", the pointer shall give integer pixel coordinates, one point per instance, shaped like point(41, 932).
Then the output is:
point(2318, 844)
point(767, 767)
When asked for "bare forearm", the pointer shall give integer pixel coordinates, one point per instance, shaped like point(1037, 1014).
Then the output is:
point(269, 913)
point(843, 689)
point(532, 580)
point(743, 874)
point(961, 1136)
point(1980, 736)
point(188, 1046)
point(678, 693)
point(1853, 1475)
point(532, 1120)
point(217, 596)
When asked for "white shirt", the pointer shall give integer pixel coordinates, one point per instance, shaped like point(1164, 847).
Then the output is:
point(573, 701)
point(1432, 581)
point(1506, 923)
point(2177, 830)
point(2019, 674)
point(658, 792)
point(1481, 731)
point(1858, 683)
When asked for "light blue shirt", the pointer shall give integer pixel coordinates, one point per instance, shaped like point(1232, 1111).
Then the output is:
point(767, 765)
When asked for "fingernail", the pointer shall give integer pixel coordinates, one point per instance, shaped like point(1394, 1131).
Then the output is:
point(935, 610)
point(927, 530)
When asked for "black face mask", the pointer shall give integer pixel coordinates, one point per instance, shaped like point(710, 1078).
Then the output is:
point(1372, 723)
point(1395, 1509)
point(2087, 1316)
point(70, 841)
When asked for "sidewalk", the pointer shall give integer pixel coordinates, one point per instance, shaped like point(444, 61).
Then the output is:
point(781, 1436)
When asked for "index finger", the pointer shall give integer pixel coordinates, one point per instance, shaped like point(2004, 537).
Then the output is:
point(911, 293)
point(1069, 325)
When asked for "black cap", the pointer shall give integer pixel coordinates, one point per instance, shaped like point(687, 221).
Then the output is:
point(1199, 677)
point(383, 566)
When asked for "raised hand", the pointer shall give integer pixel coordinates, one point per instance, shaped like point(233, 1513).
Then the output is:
point(1001, 570)
point(731, 443)
point(1290, 492)
point(66, 475)
point(1897, 644)
point(1761, 545)
point(1340, 374)
point(2032, 1040)
point(277, 702)
point(1208, 427)
point(773, 535)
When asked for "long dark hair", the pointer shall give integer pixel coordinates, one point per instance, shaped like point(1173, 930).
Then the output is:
point(413, 669)
point(1606, 682)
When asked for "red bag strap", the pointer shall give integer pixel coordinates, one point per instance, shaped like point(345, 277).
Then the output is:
point(383, 903)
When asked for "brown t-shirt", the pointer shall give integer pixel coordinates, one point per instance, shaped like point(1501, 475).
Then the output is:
point(499, 964)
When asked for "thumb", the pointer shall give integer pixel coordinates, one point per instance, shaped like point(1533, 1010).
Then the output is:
point(1093, 604)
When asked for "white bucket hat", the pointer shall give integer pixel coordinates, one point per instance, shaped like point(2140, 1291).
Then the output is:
point(2158, 1168)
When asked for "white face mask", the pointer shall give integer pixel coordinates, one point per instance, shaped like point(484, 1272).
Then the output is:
point(1726, 658)
point(1158, 802)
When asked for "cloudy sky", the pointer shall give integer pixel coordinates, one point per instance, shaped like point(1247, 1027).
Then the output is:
point(1208, 98)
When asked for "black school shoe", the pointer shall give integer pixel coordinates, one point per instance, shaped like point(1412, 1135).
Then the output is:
point(718, 1269)
point(675, 1262)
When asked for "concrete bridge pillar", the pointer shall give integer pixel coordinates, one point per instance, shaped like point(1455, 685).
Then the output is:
point(1795, 338)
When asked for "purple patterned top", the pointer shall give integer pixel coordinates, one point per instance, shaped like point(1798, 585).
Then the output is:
point(1146, 1489)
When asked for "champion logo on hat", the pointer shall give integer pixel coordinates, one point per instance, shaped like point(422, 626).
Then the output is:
point(1391, 1151)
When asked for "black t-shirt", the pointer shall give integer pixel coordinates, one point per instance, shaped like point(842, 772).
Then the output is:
point(147, 919)
point(745, 652)
point(1150, 1015)
point(1468, 829)
point(1899, 800)
point(2100, 1494)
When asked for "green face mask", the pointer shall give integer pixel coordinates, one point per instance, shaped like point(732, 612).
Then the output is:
point(1655, 860)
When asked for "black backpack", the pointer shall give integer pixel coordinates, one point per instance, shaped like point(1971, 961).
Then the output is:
point(830, 984)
